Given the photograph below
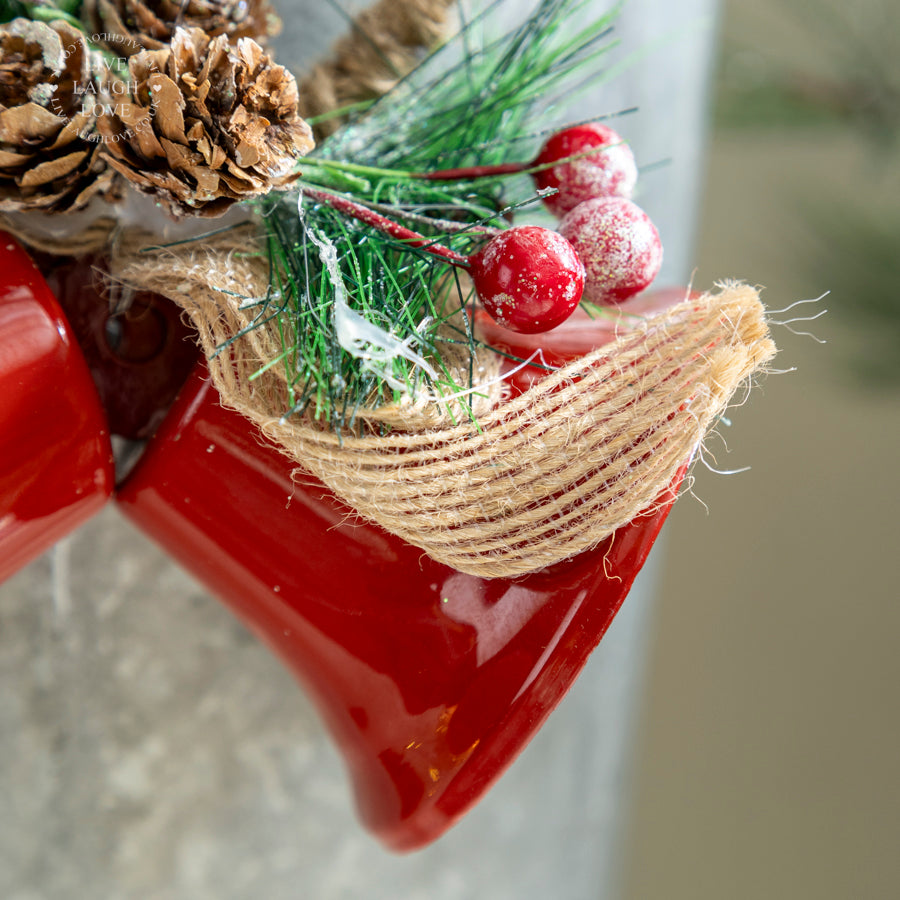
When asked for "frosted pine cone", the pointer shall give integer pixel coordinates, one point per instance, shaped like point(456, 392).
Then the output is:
point(128, 26)
point(209, 124)
point(50, 85)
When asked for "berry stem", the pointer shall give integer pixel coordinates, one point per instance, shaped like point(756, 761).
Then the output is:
point(464, 173)
point(447, 225)
point(385, 225)
point(527, 277)
point(470, 173)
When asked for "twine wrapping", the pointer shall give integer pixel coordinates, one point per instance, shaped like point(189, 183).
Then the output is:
point(34, 232)
point(541, 477)
point(385, 42)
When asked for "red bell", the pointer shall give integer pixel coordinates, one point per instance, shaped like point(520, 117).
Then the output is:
point(430, 681)
point(56, 467)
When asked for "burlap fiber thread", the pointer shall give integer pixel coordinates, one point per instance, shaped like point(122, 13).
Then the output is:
point(385, 42)
point(541, 477)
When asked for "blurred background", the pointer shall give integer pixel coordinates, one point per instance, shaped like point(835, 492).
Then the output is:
point(767, 761)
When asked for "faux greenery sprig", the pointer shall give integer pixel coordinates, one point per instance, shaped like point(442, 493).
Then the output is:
point(363, 317)
point(466, 105)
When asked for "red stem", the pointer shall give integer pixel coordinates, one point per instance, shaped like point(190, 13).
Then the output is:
point(387, 226)
point(471, 172)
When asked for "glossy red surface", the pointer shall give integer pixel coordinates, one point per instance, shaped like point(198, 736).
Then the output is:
point(55, 459)
point(431, 681)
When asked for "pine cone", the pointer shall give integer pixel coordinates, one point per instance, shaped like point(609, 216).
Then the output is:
point(128, 26)
point(209, 124)
point(49, 150)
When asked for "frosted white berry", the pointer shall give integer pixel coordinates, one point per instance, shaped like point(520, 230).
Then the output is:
point(618, 245)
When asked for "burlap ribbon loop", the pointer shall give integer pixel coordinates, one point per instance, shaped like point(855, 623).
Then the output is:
point(539, 478)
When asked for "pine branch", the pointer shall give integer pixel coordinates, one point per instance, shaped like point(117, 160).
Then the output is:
point(465, 105)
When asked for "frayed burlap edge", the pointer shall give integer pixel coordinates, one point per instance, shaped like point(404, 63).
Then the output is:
point(538, 478)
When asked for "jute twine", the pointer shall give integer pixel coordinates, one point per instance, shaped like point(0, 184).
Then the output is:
point(385, 42)
point(32, 231)
point(541, 477)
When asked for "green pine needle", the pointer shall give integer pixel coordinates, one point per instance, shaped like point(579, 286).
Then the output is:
point(468, 104)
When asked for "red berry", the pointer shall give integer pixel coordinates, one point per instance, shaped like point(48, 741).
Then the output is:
point(618, 244)
point(610, 172)
point(528, 278)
